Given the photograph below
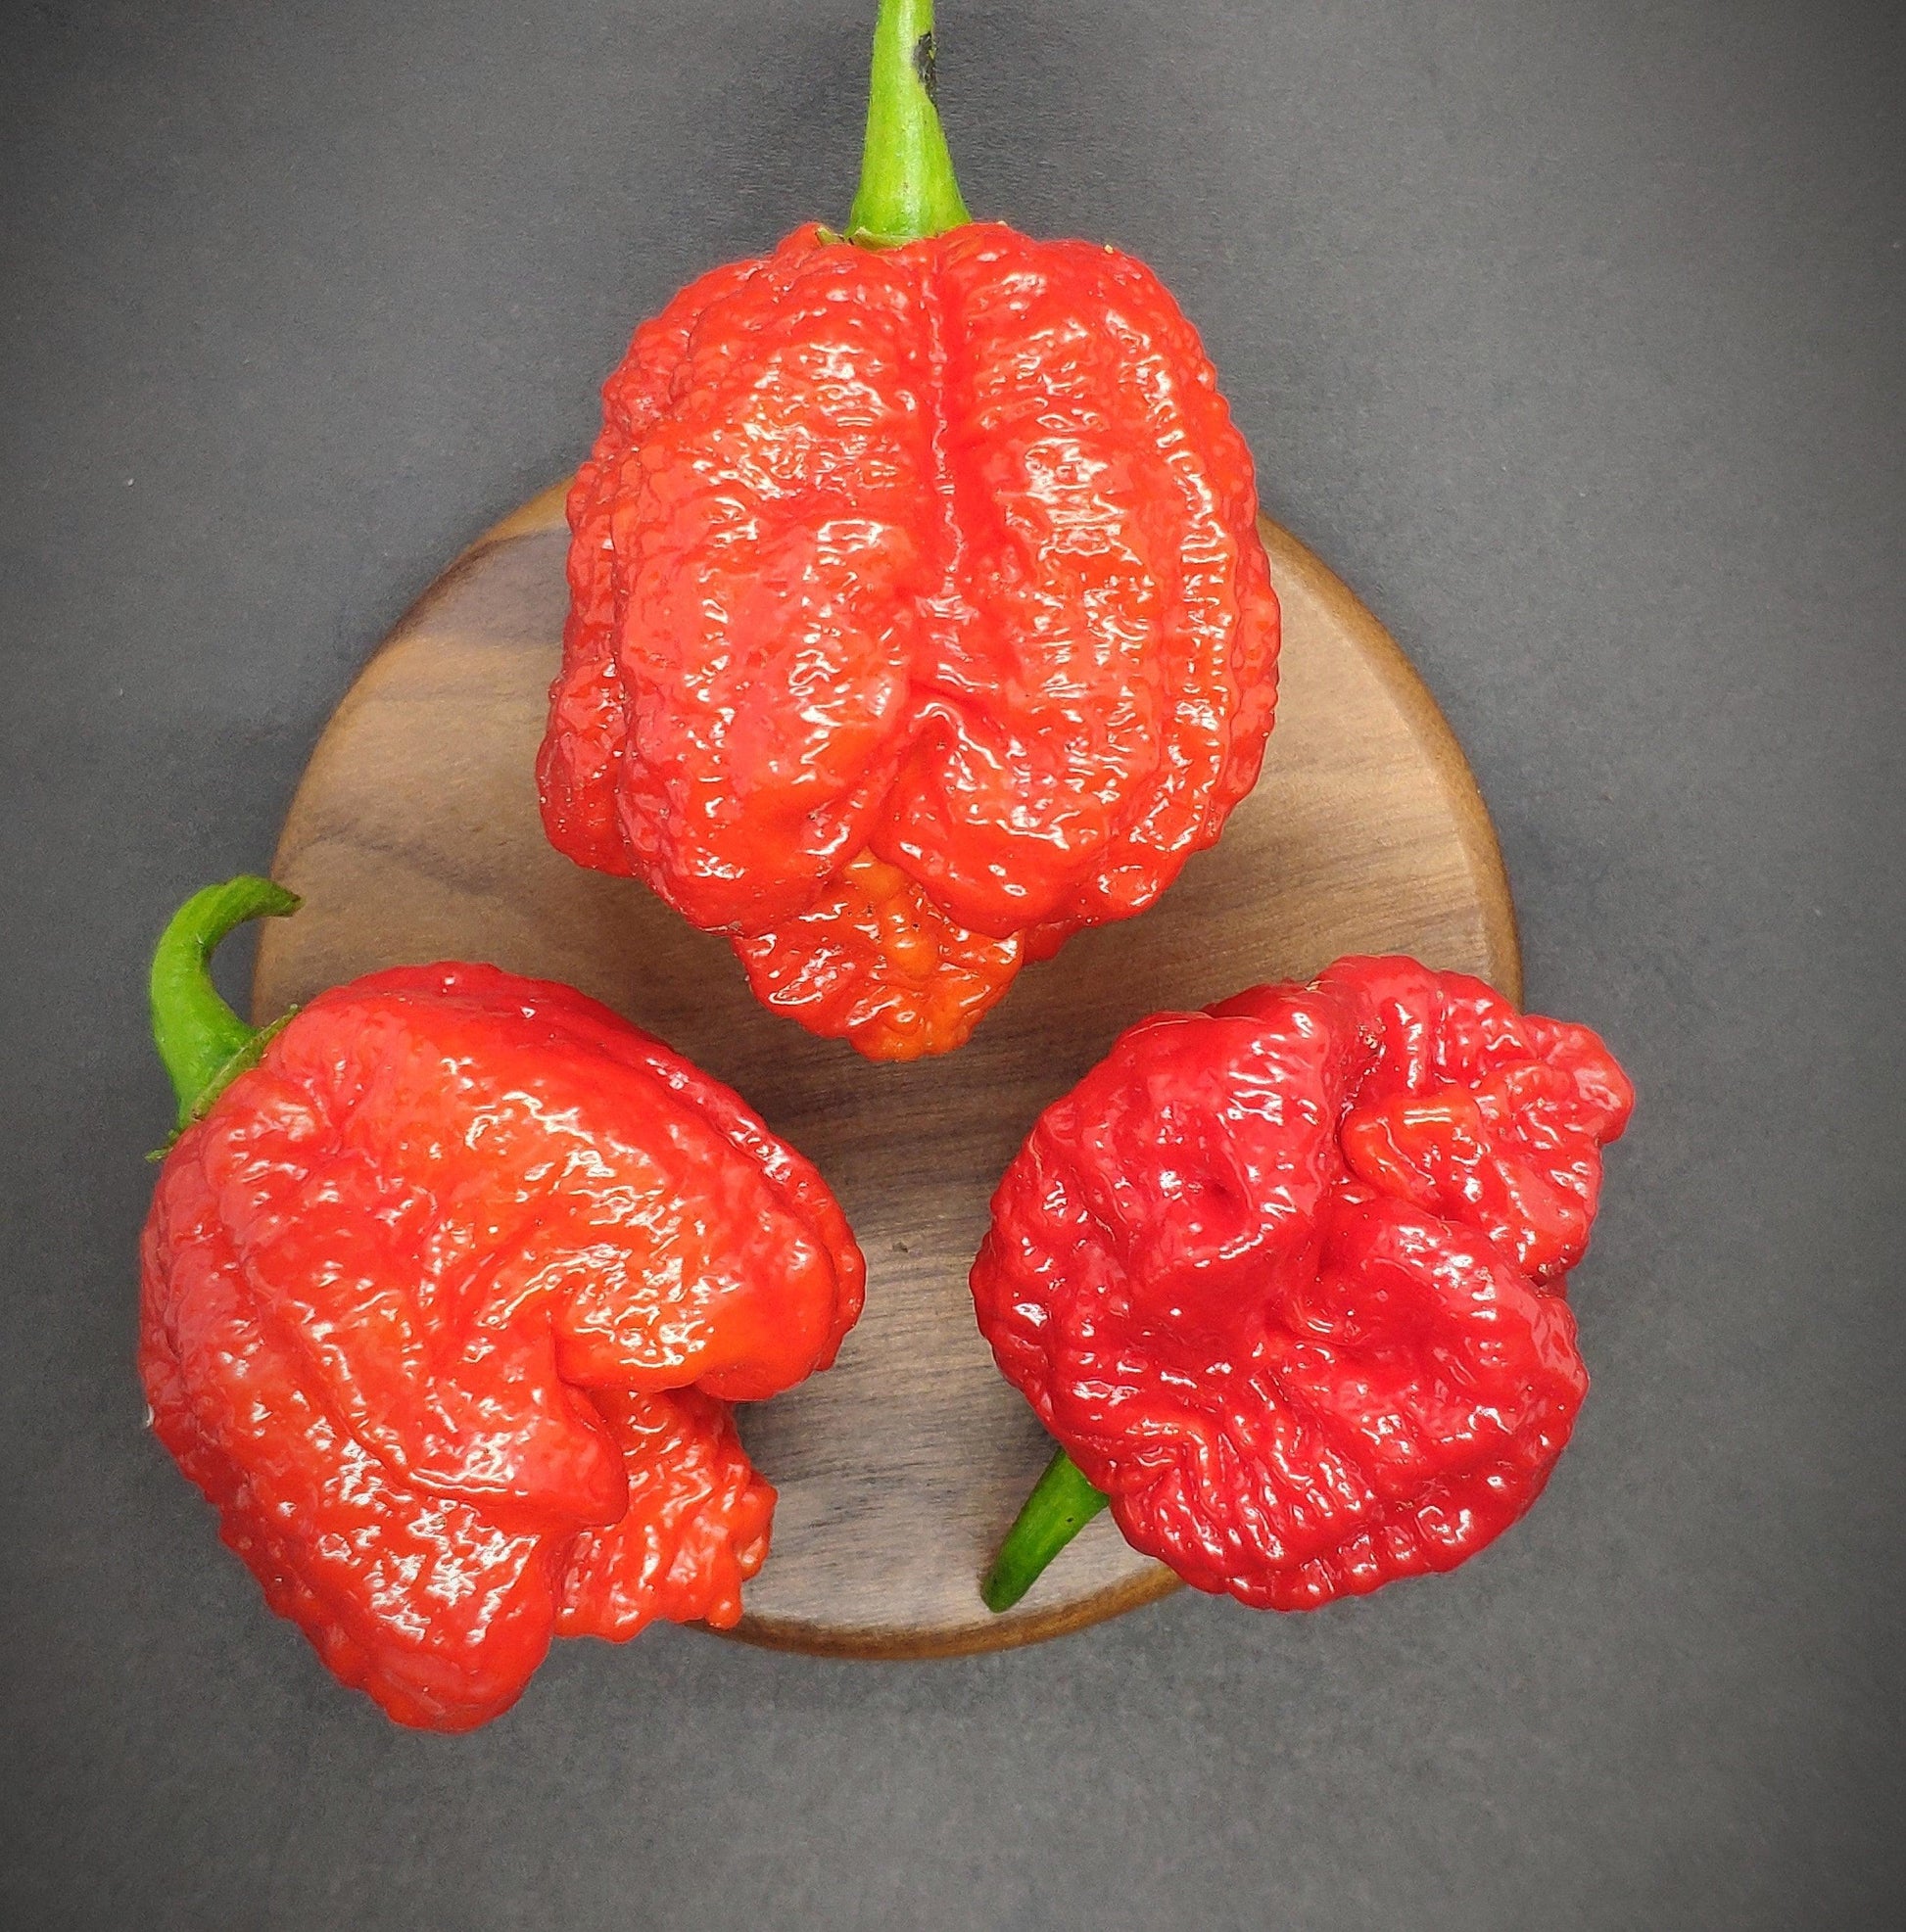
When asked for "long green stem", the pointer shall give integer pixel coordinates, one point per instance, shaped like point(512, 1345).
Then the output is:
point(907, 186)
point(202, 1041)
point(1061, 1503)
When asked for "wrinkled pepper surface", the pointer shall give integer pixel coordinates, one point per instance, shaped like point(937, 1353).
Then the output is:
point(449, 1284)
point(919, 612)
point(1286, 1280)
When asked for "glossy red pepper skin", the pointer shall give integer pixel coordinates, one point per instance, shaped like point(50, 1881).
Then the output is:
point(919, 619)
point(1286, 1276)
point(443, 1305)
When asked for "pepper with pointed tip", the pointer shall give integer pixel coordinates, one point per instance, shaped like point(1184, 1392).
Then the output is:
point(919, 615)
point(1286, 1278)
point(450, 1282)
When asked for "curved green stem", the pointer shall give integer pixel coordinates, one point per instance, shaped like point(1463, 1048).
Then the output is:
point(202, 1041)
point(907, 187)
point(1061, 1503)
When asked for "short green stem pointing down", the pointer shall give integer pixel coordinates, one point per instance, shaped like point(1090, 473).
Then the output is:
point(202, 1041)
point(907, 185)
point(1061, 1503)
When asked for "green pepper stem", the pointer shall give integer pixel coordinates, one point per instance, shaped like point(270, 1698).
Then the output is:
point(1061, 1503)
point(202, 1041)
point(907, 186)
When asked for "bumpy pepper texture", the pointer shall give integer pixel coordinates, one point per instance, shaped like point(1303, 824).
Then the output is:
point(1285, 1277)
point(919, 619)
point(445, 1302)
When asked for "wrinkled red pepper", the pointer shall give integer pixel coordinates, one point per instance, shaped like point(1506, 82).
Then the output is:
point(919, 612)
point(449, 1284)
point(1286, 1280)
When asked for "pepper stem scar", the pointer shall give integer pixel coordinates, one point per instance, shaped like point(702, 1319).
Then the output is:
point(203, 1042)
point(1061, 1503)
point(907, 187)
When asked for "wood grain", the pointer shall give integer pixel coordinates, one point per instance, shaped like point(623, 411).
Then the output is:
point(415, 837)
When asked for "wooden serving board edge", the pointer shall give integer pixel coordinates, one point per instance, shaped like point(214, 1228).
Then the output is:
point(1482, 854)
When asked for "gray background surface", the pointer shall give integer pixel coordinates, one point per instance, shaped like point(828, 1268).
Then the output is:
point(1571, 333)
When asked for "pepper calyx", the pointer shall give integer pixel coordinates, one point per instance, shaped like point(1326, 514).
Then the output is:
point(203, 1044)
point(907, 189)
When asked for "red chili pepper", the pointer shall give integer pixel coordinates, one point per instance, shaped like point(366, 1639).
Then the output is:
point(919, 613)
point(1286, 1280)
point(449, 1282)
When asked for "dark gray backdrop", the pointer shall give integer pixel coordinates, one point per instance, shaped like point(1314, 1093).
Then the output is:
point(1570, 332)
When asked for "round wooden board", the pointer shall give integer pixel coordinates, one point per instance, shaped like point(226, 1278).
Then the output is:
point(415, 837)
